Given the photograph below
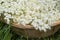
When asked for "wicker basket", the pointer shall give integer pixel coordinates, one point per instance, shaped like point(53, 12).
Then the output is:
point(31, 32)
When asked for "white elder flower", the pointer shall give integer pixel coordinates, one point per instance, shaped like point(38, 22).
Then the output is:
point(1, 9)
point(7, 16)
point(35, 25)
point(8, 21)
point(40, 28)
point(43, 28)
point(47, 26)
point(23, 21)
point(41, 14)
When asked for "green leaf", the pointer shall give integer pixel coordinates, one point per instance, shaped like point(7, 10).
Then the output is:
point(7, 36)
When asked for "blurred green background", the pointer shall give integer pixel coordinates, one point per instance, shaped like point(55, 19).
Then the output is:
point(7, 34)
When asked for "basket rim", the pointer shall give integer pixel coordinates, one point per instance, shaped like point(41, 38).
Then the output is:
point(22, 26)
point(31, 27)
point(14, 24)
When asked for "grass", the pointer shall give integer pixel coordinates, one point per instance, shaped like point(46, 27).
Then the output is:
point(7, 34)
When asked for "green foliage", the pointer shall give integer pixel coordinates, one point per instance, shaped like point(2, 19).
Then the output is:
point(7, 34)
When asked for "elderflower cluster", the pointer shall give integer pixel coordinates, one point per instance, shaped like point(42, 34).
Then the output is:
point(41, 14)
